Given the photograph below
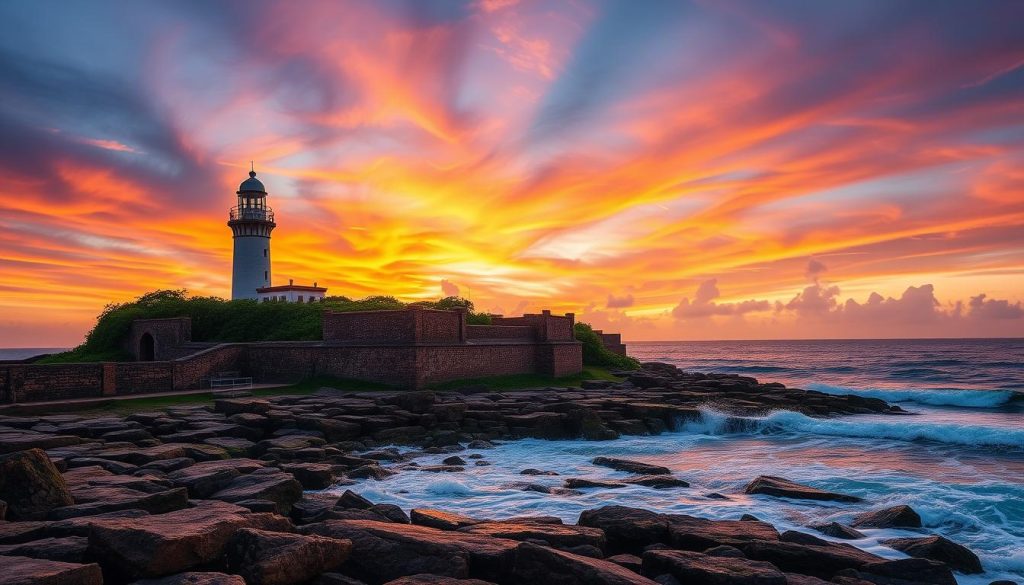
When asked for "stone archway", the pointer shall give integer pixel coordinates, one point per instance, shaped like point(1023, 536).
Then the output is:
point(147, 348)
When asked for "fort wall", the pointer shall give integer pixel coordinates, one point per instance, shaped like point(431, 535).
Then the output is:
point(410, 348)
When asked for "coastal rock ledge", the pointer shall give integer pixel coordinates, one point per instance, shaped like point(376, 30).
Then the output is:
point(219, 494)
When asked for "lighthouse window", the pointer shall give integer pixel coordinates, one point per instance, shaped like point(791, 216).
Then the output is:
point(300, 298)
point(264, 252)
point(264, 276)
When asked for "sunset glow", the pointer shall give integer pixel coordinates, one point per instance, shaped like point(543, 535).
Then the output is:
point(706, 170)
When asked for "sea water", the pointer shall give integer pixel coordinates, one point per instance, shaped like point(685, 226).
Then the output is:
point(959, 461)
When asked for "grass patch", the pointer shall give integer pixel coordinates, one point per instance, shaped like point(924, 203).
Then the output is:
point(526, 381)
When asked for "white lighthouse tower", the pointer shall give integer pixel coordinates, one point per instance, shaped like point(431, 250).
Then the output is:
point(251, 222)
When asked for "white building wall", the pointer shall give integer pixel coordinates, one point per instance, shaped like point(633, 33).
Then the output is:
point(292, 296)
point(251, 266)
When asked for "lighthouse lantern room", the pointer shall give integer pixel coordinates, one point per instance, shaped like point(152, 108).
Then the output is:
point(251, 222)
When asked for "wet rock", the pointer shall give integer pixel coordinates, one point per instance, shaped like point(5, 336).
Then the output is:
point(540, 564)
point(895, 517)
point(545, 489)
point(441, 468)
point(903, 572)
point(390, 512)
point(532, 471)
point(370, 472)
point(837, 530)
point(808, 559)
point(440, 519)
point(695, 567)
point(627, 529)
point(69, 549)
point(337, 579)
point(784, 488)
point(725, 550)
point(351, 500)
point(558, 535)
point(938, 548)
point(454, 460)
point(382, 551)
point(164, 544)
point(697, 534)
point(637, 467)
point(480, 444)
point(274, 558)
point(657, 481)
point(194, 578)
point(31, 485)
point(582, 483)
point(29, 571)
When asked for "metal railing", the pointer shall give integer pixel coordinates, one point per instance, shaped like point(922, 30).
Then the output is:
point(251, 214)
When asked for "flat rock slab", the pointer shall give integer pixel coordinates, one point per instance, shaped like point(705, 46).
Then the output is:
point(637, 467)
point(440, 519)
point(69, 549)
point(823, 561)
point(29, 571)
point(692, 533)
point(272, 558)
point(428, 579)
point(540, 564)
point(694, 567)
point(659, 482)
point(784, 488)
point(195, 578)
point(559, 535)
point(164, 544)
point(382, 551)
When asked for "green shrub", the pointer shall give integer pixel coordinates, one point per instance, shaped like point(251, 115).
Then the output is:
point(216, 319)
point(595, 353)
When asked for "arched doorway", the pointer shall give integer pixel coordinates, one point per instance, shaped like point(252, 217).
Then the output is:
point(147, 348)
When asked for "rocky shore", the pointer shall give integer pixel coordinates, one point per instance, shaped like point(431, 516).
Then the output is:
point(228, 493)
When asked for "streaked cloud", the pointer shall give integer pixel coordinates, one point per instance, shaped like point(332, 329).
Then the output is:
point(608, 158)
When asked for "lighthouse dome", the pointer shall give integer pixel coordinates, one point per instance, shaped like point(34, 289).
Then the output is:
point(252, 184)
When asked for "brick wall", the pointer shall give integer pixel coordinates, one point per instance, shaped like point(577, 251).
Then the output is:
point(612, 342)
point(52, 382)
point(516, 332)
point(548, 327)
point(168, 335)
point(142, 377)
point(370, 327)
point(438, 326)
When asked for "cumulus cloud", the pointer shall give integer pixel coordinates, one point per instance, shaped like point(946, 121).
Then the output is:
point(985, 308)
point(703, 304)
point(449, 288)
point(622, 302)
point(815, 268)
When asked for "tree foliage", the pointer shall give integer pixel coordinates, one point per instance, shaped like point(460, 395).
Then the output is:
point(217, 319)
point(595, 353)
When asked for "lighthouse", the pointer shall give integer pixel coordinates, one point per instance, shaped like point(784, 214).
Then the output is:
point(251, 222)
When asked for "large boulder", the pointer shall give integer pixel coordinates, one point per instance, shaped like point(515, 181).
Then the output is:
point(698, 534)
point(540, 565)
point(31, 485)
point(28, 571)
point(207, 478)
point(895, 517)
point(784, 488)
point(903, 572)
point(273, 558)
point(164, 544)
point(627, 529)
point(382, 551)
point(938, 548)
point(694, 567)
point(819, 560)
point(126, 499)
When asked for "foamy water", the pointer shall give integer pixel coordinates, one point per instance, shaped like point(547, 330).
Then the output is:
point(959, 461)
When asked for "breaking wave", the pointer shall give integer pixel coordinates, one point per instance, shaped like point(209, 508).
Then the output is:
point(961, 398)
point(899, 429)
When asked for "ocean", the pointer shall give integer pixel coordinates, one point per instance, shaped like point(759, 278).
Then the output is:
point(959, 461)
point(20, 353)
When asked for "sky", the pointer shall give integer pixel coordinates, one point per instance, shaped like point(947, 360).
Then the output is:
point(672, 170)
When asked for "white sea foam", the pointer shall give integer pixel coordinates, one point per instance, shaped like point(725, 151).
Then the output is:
point(935, 397)
point(894, 428)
